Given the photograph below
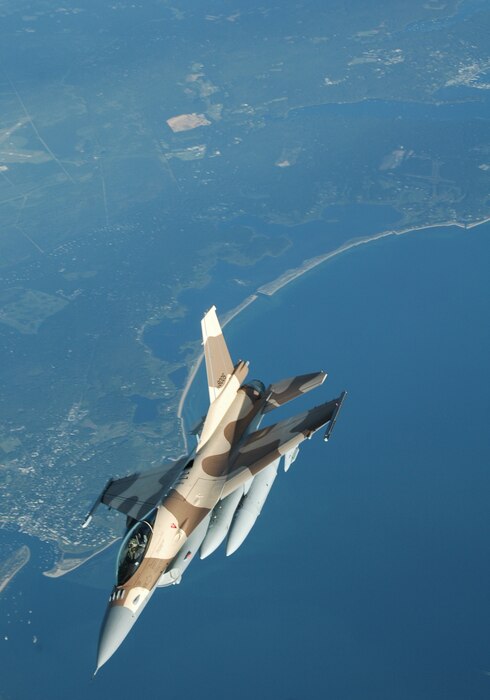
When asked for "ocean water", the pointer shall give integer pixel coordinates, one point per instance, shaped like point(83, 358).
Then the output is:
point(372, 555)
point(231, 282)
point(367, 573)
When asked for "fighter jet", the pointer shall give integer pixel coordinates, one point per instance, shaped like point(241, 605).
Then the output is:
point(215, 492)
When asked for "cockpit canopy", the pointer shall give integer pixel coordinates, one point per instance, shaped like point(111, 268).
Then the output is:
point(134, 547)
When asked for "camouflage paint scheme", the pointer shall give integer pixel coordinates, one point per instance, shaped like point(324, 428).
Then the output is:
point(228, 454)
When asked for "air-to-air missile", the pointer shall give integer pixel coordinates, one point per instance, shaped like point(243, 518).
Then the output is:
point(214, 493)
point(220, 523)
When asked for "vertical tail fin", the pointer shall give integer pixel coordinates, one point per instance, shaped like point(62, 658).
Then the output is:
point(219, 366)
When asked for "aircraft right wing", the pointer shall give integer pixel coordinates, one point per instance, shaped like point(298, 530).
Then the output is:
point(267, 444)
point(137, 494)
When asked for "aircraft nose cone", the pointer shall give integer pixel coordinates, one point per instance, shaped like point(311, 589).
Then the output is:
point(117, 623)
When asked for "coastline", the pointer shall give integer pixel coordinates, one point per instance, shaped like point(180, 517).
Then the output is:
point(11, 567)
point(288, 276)
point(272, 287)
point(64, 566)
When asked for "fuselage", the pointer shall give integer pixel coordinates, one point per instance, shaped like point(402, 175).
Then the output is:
point(216, 492)
point(152, 544)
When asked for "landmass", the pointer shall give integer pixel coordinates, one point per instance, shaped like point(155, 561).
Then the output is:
point(186, 122)
point(65, 564)
point(115, 221)
point(289, 276)
point(11, 566)
point(26, 309)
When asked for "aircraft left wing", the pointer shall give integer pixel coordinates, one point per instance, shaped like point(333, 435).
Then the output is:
point(138, 493)
point(268, 444)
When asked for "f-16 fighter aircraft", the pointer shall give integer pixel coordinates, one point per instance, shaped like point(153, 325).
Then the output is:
point(216, 491)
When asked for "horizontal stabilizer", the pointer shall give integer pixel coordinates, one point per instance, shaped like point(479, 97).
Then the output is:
point(289, 389)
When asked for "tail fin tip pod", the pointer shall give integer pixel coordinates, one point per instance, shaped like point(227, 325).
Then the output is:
point(219, 366)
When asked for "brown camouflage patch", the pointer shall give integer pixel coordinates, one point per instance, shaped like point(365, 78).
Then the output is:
point(216, 465)
point(187, 515)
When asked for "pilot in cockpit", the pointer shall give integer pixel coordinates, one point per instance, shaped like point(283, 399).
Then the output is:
point(137, 545)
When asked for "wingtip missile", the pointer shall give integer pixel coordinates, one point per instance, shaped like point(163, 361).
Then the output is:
point(250, 507)
point(335, 415)
point(98, 501)
point(220, 522)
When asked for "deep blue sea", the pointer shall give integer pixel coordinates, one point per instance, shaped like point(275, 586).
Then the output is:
point(367, 575)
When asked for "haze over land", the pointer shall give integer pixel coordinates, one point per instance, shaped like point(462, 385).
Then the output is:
point(109, 216)
point(159, 158)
